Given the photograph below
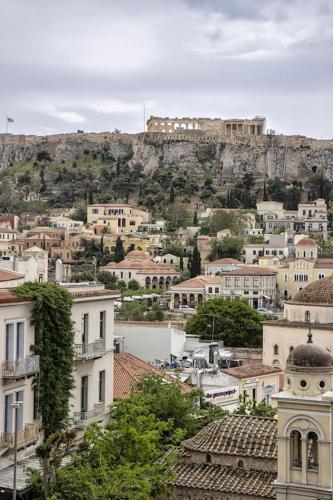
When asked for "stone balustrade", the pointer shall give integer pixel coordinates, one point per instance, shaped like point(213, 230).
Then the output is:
point(89, 350)
point(20, 367)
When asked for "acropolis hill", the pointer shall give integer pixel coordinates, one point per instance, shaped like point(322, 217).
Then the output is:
point(224, 156)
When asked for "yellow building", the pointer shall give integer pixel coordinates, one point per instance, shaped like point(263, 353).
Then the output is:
point(117, 218)
point(294, 275)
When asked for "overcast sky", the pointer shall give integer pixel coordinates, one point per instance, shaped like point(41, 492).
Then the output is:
point(92, 64)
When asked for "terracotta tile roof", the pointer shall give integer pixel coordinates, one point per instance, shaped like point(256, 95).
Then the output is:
point(7, 296)
point(250, 371)
point(129, 369)
point(263, 245)
point(251, 271)
point(306, 242)
point(94, 293)
point(223, 479)
point(225, 261)
point(197, 282)
point(241, 435)
point(324, 264)
point(6, 275)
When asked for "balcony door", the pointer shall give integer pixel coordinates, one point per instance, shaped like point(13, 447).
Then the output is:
point(10, 412)
point(84, 393)
point(14, 341)
point(85, 326)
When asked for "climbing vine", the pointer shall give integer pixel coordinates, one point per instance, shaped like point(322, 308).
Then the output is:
point(54, 336)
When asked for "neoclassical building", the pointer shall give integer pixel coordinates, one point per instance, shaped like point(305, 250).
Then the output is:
point(138, 266)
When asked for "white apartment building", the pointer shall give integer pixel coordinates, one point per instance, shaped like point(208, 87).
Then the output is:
point(93, 316)
point(308, 218)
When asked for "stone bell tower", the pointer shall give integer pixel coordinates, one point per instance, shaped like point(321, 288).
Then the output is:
point(305, 425)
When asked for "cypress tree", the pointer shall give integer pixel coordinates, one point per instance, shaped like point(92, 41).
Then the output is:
point(195, 219)
point(172, 195)
point(181, 263)
point(119, 252)
point(195, 266)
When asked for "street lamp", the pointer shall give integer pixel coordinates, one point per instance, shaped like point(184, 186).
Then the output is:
point(16, 405)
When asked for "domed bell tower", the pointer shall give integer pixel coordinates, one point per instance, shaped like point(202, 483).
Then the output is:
point(305, 425)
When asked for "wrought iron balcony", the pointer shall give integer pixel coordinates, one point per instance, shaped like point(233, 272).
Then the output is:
point(29, 435)
point(93, 350)
point(20, 367)
point(82, 418)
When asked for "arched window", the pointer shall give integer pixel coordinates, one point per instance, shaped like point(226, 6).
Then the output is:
point(307, 317)
point(208, 458)
point(276, 350)
point(296, 449)
point(312, 450)
point(240, 463)
point(291, 348)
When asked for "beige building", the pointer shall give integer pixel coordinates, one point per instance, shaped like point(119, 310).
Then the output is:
point(310, 308)
point(32, 264)
point(138, 266)
point(255, 126)
point(93, 316)
point(256, 285)
point(116, 218)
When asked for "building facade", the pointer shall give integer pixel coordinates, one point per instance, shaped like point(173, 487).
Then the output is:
point(255, 126)
point(116, 218)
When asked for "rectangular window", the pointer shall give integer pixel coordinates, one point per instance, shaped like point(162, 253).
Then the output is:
point(102, 319)
point(101, 388)
point(246, 281)
point(95, 210)
point(85, 328)
point(227, 281)
point(217, 290)
point(210, 289)
point(254, 394)
point(132, 223)
point(14, 341)
point(84, 393)
point(9, 411)
point(237, 281)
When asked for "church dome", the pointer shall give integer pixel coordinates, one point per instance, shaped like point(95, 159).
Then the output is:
point(319, 292)
point(311, 357)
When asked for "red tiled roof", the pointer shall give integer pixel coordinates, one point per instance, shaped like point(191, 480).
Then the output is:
point(223, 479)
point(251, 371)
point(129, 369)
point(6, 275)
point(241, 435)
point(306, 242)
point(7, 296)
point(197, 282)
point(251, 271)
point(224, 261)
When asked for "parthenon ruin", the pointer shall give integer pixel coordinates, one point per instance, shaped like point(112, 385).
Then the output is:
point(256, 126)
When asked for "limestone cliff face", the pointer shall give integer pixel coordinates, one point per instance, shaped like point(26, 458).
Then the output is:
point(289, 157)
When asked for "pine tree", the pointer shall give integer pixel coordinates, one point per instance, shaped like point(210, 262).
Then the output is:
point(195, 219)
point(195, 266)
point(119, 252)
point(172, 195)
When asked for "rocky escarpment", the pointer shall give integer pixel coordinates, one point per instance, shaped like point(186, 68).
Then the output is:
point(288, 157)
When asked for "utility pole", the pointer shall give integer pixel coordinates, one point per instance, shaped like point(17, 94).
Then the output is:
point(16, 407)
point(144, 117)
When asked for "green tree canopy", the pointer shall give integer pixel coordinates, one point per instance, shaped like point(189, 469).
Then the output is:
point(195, 262)
point(119, 253)
point(228, 247)
point(233, 321)
point(177, 215)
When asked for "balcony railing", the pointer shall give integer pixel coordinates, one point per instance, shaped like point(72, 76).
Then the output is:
point(82, 418)
point(20, 367)
point(92, 350)
point(29, 435)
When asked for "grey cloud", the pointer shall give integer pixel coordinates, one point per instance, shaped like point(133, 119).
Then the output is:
point(102, 60)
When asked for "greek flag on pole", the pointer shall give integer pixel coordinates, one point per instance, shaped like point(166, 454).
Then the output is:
point(10, 120)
